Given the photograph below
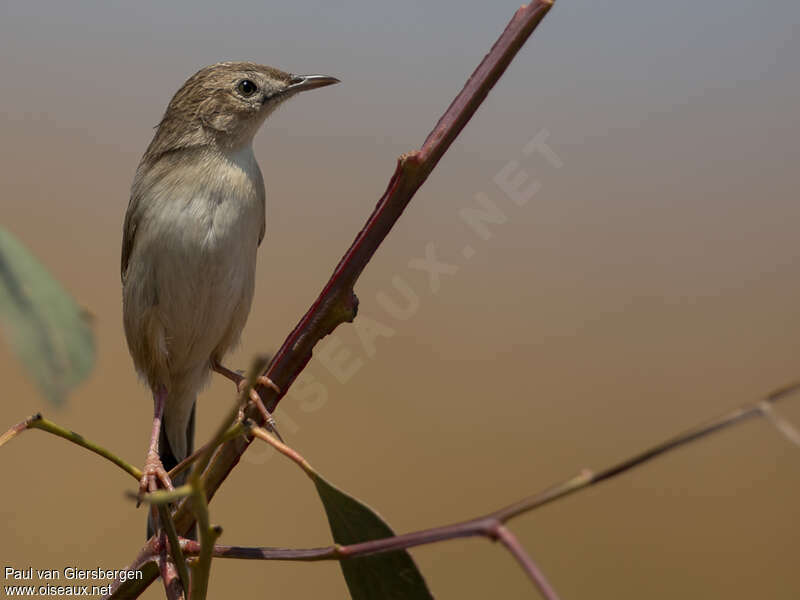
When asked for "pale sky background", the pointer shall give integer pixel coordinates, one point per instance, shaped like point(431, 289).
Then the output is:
point(653, 282)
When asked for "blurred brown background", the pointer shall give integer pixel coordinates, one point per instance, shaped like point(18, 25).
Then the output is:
point(651, 283)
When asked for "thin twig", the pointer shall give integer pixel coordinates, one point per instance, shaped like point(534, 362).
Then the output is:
point(784, 427)
point(19, 428)
point(169, 576)
point(165, 518)
point(238, 429)
point(510, 541)
point(588, 478)
point(37, 421)
point(208, 538)
point(163, 497)
point(281, 447)
point(490, 528)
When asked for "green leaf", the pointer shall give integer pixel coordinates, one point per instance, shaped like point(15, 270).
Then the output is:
point(43, 324)
point(386, 576)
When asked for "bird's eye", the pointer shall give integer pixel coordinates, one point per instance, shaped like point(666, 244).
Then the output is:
point(246, 88)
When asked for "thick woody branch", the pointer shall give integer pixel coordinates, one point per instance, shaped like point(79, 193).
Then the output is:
point(337, 302)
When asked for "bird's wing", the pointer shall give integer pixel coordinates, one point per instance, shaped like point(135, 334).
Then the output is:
point(263, 203)
point(132, 217)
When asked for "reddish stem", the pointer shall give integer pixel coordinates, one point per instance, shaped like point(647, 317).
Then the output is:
point(337, 303)
point(510, 541)
point(489, 527)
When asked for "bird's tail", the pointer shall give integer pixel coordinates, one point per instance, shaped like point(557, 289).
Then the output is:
point(170, 458)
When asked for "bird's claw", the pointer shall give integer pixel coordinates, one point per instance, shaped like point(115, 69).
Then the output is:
point(153, 474)
point(255, 398)
point(260, 380)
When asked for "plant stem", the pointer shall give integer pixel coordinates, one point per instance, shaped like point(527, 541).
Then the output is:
point(37, 421)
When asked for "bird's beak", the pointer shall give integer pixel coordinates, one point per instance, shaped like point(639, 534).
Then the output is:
point(301, 83)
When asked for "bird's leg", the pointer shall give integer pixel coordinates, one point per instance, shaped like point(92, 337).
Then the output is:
point(153, 469)
point(240, 381)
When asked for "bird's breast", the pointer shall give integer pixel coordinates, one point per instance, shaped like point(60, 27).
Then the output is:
point(199, 236)
point(212, 206)
point(192, 266)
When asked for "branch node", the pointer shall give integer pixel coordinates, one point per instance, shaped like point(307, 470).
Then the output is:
point(784, 427)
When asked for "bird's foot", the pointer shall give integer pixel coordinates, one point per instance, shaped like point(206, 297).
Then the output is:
point(153, 474)
point(260, 380)
point(255, 398)
point(241, 381)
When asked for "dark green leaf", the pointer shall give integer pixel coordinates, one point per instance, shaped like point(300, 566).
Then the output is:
point(42, 323)
point(387, 576)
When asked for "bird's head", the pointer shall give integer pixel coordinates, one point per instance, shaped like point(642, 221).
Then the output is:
point(227, 103)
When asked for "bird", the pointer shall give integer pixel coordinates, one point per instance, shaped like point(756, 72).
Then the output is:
point(194, 222)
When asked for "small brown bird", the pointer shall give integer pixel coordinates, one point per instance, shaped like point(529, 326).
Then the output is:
point(194, 223)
